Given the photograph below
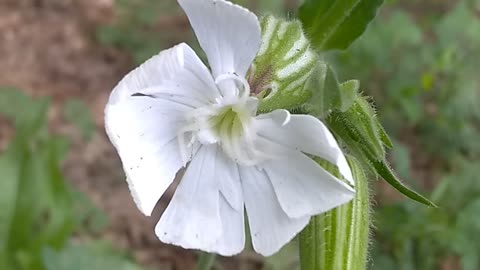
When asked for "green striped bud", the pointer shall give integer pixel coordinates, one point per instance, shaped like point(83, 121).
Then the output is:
point(360, 129)
point(338, 239)
point(283, 65)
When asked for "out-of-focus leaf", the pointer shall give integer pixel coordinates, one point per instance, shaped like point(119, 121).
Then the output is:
point(35, 199)
point(79, 114)
point(335, 24)
point(9, 173)
point(91, 257)
point(87, 216)
point(28, 115)
point(468, 225)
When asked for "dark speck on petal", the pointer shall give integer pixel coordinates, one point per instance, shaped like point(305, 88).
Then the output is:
point(141, 95)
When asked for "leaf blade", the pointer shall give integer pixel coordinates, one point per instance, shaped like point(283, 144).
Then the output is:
point(336, 24)
point(387, 174)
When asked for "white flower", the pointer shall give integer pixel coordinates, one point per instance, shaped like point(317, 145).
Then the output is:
point(172, 110)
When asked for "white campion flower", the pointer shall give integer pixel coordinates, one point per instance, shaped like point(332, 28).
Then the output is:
point(173, 111)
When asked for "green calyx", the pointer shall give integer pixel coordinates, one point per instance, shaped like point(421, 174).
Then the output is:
point(283, 65)
point(327, 93)
point(362, 133)
point(353, 120)
point(338, 239)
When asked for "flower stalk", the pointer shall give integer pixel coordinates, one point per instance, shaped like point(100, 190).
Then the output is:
point(338, 239)
point(206, 261)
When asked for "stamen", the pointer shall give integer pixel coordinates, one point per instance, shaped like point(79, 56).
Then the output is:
point(228, 122)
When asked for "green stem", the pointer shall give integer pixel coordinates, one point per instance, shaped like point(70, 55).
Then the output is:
point(338, 239)
point(206, 261)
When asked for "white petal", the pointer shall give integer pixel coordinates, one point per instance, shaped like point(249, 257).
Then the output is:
point(228, 177)
point(192, 219)
point(143, 130)
point(174, 72)
point(307, 134)
point(270, 227)
point(228, 33)
point(232, 241)
point(305, 188)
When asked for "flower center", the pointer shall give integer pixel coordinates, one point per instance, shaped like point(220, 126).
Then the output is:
point(227, 122)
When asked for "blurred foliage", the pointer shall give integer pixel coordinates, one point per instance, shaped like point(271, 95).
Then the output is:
point(40, 210)
point(79, 114)
point(410, 236)
point(96, 256)
point(422, 69)
point(136, 27)
point(423, 77)
point(145, 27)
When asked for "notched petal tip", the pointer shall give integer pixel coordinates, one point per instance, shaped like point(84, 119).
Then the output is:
point(228, 33)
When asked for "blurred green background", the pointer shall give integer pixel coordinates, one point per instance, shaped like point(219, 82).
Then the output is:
point(64, 203)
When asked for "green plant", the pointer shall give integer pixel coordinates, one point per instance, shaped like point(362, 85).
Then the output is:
point(423, 77)
point(35, 201)
point(427, 235)
point(40, 210)
point(422, 73)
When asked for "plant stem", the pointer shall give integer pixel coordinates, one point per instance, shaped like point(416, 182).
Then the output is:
point(338, 239)
point(206, 261)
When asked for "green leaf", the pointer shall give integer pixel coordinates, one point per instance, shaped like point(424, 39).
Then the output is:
point(88, 218)
point(35, 201)
point(31, 118)
point(335, 24)
point(91, 257)
point(384, 170)
point(9, 173)
point(79, 114)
